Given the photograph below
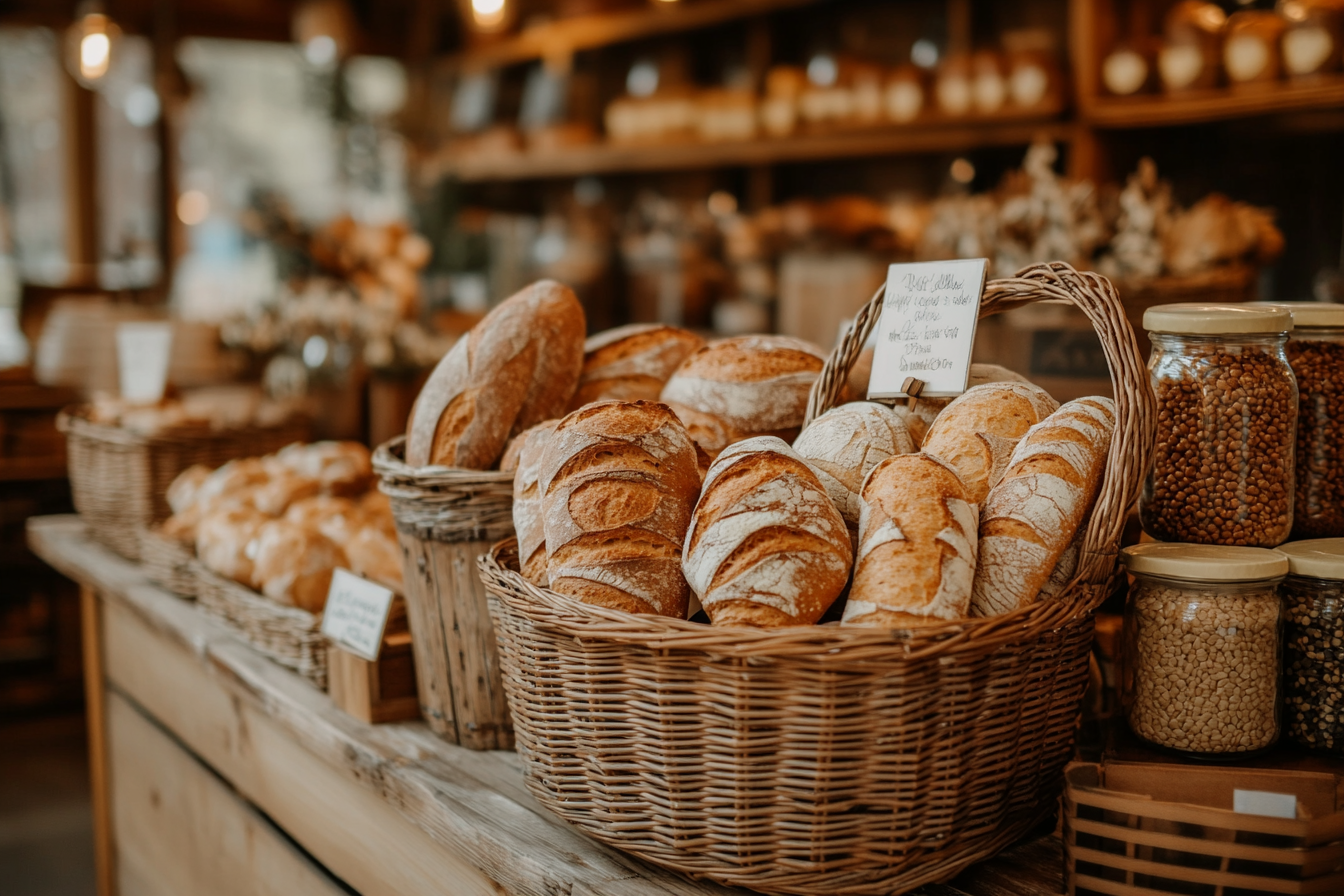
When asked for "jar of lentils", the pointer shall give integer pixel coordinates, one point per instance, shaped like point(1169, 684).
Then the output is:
point(1201, 651)
point(1227, 412)
point(1313, 643)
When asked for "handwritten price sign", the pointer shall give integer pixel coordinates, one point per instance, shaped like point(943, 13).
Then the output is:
point(927, 329)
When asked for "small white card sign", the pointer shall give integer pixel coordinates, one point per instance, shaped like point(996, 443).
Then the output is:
point(356, 614)
point(1262, 802)
point(927, 328)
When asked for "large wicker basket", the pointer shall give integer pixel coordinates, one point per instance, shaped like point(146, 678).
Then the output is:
point(118, 477)
point(168, 562)
point(446, 518)
point(821, 760)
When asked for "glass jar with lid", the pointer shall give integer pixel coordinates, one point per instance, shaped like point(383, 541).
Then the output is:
point(1316, 352)
point(1313, 643)
point(1227, 412)
point(1202, 648)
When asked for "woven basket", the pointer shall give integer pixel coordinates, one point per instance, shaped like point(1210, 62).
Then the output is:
point(821, 759)
point(119, 478)
point(168, 562)
point(290, 636)
point(446, 518)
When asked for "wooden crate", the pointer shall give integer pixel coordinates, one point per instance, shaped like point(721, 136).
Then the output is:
point(382, 691)
point(1145, 829)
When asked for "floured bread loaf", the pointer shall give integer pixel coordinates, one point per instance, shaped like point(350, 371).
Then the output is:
point(228, 483)
point(377, 510)
point(182, 492)
point(745, 386)
point(374, 555)
point(845, 443)
point(294, 564)
point(1032, 516)
point(926, 410)
point(274, 496)
point(527, 521)
point(917, 545)
point(767, 546)
point(977, 432)
point(337, 518)
point(632, 363)
point(618, 481)
point(341, 468)
point(516, 368)
point(222, 539)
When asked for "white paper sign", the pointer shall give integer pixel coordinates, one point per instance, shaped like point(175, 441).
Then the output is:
point(356, 614)
point(1261, 802)
point(927, 328)
point(144, 350)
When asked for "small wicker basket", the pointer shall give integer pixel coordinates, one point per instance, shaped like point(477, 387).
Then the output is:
point(821, 760)
point(446, 518)
point(290, 636)
point(119, 478)
point(168, 562)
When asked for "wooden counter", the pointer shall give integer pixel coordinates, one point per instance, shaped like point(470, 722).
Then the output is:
point(217, 771)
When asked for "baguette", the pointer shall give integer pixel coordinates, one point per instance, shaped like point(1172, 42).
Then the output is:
point(917, 545)
point(631, 363)
point(1032, 516)
point(767, 546)
point(516, 368)
point(527, 521)
point(977, 432)
point(618, 481)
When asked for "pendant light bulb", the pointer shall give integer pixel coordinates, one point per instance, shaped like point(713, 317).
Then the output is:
point(489, 15)
point(91, 44)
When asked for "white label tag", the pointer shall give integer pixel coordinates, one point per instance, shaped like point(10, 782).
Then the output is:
point(927, 328)
point(1261, 802)
point(356, 614)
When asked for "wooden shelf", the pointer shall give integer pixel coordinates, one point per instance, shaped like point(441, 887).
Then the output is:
point(589, 32)
point(29, 469)
point(603, 158)
point(1222, 104)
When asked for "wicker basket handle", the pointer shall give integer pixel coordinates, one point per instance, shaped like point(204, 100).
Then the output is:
point(1135, 407)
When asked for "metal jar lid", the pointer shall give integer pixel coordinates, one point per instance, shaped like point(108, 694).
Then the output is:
point(1204, 562)
point(1320, 558)
point(1213, 320)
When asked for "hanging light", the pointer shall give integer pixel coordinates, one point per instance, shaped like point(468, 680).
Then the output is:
point(90, 44)
point(325, 31)
point(489, 15)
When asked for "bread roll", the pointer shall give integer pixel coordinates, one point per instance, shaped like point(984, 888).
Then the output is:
point(527, 520)
point(632, 363)
point(337, 518)
point(293, 564)
point(745, 386)
point(182, 526)
point(222, 540)
point(618, 481)
point(374, 555)
point(341, 468)
point(516, 368)
point(845, 443)
point(977, 432)
point(917, 545)
point(767, 546)
point(377, 510)
point(182, 492)
point(1031, 517)
point(274, 496)
point(226, 484)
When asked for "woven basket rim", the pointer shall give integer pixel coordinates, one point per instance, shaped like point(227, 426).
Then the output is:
point(390, 466)
point(74, 420)
point(830, 643)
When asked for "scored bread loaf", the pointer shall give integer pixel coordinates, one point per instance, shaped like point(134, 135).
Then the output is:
point(845, 443)
point(917, 545)
point(618, 481)
point(527, 520)
point(926, 410)
point(1032, 516)
point(977, 432)
point(222, 540)
point(516, 368)
point(336, 518)
point(631, 363)
point(767, 546)
point(293, 564)
point(743, 387)
point(374, 555)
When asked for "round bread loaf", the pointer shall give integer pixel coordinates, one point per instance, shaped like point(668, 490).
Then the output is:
point(926, 410)
point(917, 542)
point(336, 518)
point(182, 492)
point(527, 520)
point(516, 368)
point(226, 484)
point(977, 432)
point(341, 468)
point(618, 481)
point(293, 564)
point(274, 496)
point(631, 363)
point(222, 540)
point(374, 555)
point(767, 546)
point(743, 387)
point(845, 443)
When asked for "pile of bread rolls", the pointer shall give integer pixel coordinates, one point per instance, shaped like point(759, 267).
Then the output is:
point(656, 473)
point(281, 524)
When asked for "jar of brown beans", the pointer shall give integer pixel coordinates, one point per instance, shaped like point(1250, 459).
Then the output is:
point(1227, 414)
point(1313, 643)
point(1202, 648)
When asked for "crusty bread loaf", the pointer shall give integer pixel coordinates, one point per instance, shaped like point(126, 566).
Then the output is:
point(767, 546)
point(181, 527)
point(374, 555)
point(293, 564)
point(977, 432)
point(917, 545)
point(516, 368)
point(926, 410)
point(1033, 515)
point(743, 387)
point(222, 540)
point(845, 443)
point(340, 468)
point(527, 519)
point(226, 484)
point(377, 510)
point(337, 518)
point(274, 496)
point(182, 492)
point(631, 363)
point(618, 481)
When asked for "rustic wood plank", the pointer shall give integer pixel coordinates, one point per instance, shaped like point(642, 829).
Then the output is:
point(1215, 104)
point(182, 830)
point(95, 699)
